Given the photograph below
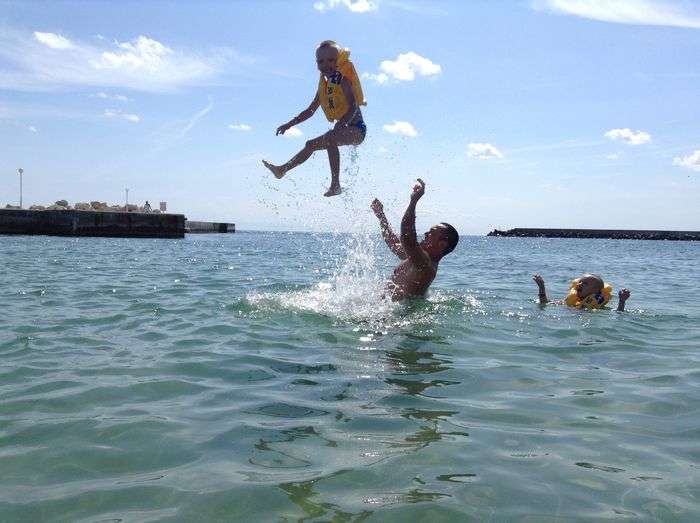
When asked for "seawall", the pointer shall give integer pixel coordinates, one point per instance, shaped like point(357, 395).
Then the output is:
point(92, 223)
point(615, 234)
point(209, 227)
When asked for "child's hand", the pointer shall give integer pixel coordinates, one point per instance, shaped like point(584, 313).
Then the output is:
point(624, 295)
point(282, 129)
point(377, 207)
point(539, 280)
point(418, 190)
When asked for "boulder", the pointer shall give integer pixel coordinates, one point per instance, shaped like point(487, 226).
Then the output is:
point(98, 206)
point(37, 208)
point(56, 207)
point(62, 203)
point(9, 206)
point(132, 208)
point(82, 206)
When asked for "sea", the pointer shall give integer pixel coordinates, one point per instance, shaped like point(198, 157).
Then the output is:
point(264, 376)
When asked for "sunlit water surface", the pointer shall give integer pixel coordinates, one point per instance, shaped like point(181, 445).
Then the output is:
point(262, 377)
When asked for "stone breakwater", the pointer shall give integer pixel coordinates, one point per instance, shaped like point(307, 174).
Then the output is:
point(63, 205)
point(615, 234)
point(92, 223)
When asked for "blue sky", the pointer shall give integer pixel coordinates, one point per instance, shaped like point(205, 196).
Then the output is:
point(550, 113)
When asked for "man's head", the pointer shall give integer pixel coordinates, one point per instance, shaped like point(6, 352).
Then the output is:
point(440, 240)
point(589, 284)
point(327, 56)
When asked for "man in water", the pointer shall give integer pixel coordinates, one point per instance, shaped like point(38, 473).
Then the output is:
point(419, 264)
point(339, 94)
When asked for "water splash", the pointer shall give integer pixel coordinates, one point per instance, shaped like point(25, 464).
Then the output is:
point(355, 289)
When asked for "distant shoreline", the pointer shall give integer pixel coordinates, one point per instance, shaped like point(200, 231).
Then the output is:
point(610, 234)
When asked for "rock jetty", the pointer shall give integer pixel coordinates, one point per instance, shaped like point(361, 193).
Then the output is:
point(614, 234)
point(63, 205)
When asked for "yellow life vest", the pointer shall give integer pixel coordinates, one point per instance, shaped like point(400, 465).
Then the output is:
point(330, 93)
point(597, 300)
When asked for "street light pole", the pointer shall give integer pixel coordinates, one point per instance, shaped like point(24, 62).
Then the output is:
point(20, 171)
point(126, 207)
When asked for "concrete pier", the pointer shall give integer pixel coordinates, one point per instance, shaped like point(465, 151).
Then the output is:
point(615, 234)
point(209, 227)
point(92, 223)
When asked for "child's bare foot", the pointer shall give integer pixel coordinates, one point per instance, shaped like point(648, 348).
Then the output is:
point(333, 191)
point(277, 171)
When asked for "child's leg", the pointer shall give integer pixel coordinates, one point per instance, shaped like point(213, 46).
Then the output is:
point(318, 143)
point(334, 161)
point(349, 135)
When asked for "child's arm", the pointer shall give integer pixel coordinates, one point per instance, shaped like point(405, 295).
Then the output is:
point(542, 292)
point(409, 241)
point(390, 238)
point(623, 295)
point(301, 117)
point(346, 86)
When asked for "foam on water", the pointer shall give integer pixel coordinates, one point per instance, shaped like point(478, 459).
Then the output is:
point(355, 290)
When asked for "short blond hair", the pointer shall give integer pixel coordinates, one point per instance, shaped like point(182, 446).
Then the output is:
point(329, 43)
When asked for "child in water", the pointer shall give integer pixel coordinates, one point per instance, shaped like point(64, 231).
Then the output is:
point(419, 263)
point(339, 94)
point(588, 291)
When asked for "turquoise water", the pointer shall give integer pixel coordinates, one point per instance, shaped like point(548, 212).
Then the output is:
point(260, 377)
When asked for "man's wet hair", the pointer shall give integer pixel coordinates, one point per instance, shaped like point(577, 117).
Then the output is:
point(452, 237)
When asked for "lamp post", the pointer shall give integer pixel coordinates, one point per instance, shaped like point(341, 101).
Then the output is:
point(20, 171)
point(126, 207)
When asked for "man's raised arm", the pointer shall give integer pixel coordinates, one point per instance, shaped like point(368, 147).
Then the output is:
point(392, 241)
point(409, 242)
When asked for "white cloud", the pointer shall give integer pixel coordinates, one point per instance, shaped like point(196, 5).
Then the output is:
point(613, 156)
point(483, 151)
point(117, 97)
point(629, 136)
point(240, 127)
point(402, 128)
point(32, 129)
point(380, 78)
point(692, 161)
point(53, 40)
point(355, 6)
point(49, 61)
point(293, 132)
point(638, 12)
point(111, 113)
point(405, 68)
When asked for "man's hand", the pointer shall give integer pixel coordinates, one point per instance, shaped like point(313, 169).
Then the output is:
point(418, 190)
point(377, 207)
point(539, 280)
point(282, 128)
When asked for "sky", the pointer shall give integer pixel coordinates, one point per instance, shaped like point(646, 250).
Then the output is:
point(522, 113)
